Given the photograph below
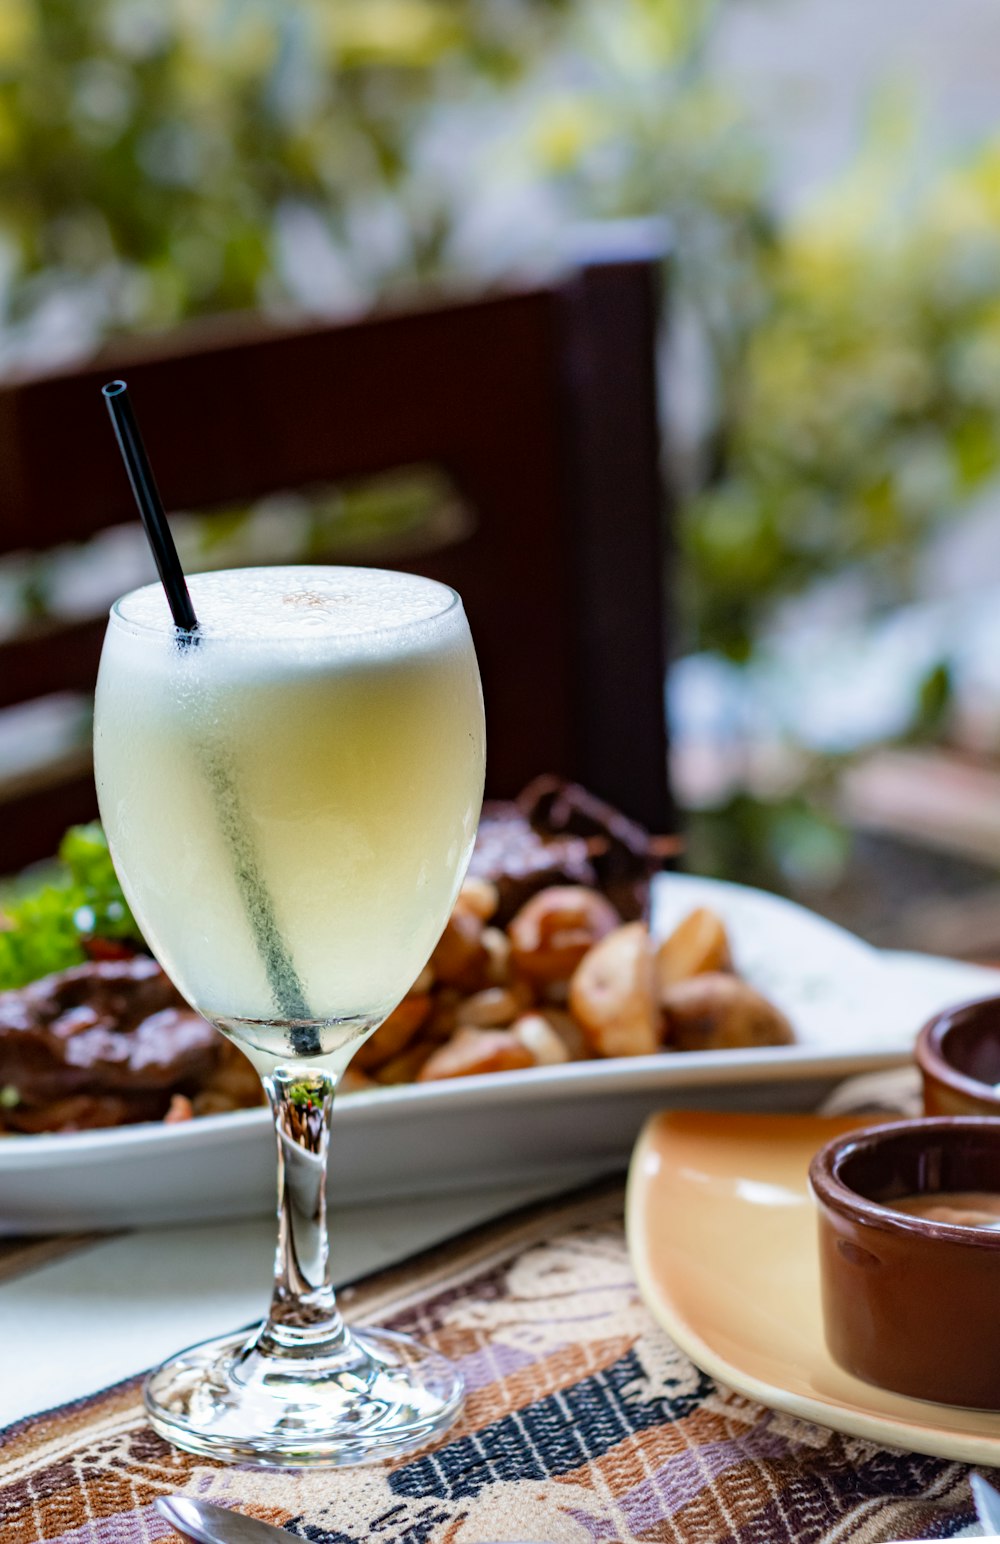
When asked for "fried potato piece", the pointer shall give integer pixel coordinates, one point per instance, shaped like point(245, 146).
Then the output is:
point(498, 956)
point(405, 1068)
point(460, 958)
point(235, 1080)
point(471, 1050)
point(353, 1081)
point(423, 983)
point(480, 897)
point(536, 1034)
point(697, 945)
point(394, 1034)
point(210, 1102)
point(443, 1021)
point(612, 994)
point(719, 1012)
point(181, 1109)
point(569, 1032)
point(495, 1007)
point(553, 931)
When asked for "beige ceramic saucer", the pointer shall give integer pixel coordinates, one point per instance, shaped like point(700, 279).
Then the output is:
point(722, 1234)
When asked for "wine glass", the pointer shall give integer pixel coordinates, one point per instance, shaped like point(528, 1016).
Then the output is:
point(291, 796)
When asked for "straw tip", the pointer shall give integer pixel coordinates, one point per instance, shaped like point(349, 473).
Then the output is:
point(114, 389)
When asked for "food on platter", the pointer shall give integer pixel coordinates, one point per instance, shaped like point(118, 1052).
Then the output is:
point(697, 945)
point(546, 959)
point(612, 994)
point(555, 929)
point(112, 1042)
point(470, 1050)
point(109, 1043)
point(573, 982)
point(556, 833)
point(716, 1012)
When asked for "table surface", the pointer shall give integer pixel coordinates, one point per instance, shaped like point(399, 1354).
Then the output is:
point(85, 1312)
point(609, 1419)
point(82, 1313)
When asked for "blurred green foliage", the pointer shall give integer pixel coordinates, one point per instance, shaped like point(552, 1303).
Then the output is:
point(149, 148)
point(48, 926)
point(868, 404)
point(163, 158)
point(792, 844)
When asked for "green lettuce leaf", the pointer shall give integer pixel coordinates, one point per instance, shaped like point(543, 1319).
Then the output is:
point(49, 928)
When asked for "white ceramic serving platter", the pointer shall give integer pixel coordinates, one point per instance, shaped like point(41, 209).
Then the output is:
point(854, 1009)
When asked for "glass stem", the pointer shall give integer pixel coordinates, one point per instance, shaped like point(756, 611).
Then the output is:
point(304, 1320)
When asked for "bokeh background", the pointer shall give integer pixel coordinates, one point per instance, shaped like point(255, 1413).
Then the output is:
point(828, 173)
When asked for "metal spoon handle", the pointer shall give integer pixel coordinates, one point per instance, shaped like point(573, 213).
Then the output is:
point(203, 1523)
point(987, 1502)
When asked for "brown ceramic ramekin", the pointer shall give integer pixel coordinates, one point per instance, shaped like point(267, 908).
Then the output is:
point(909, 1304)
point(958, 1054)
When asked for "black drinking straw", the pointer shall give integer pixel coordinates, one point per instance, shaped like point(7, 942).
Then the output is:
point(278, 964)
point(151, 511)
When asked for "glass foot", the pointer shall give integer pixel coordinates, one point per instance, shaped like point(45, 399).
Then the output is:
point(381, 1395)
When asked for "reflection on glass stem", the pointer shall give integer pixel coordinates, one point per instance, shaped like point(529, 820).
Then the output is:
point(304, 1311)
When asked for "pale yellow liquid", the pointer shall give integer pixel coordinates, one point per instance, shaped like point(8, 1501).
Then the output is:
point(326, 731)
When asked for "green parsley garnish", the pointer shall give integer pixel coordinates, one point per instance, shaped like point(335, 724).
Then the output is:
point(45, 929)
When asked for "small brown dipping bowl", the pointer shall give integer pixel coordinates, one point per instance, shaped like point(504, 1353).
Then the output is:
point(958, 1054)
point(909, 1304)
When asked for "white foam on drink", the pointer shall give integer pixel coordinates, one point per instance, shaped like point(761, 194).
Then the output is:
point(303, 602)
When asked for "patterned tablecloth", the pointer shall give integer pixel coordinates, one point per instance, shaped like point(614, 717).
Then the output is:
point(583, 1423)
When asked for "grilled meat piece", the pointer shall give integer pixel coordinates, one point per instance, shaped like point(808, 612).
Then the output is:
point(556, 833)
point(519, 861)
point(100, 1043)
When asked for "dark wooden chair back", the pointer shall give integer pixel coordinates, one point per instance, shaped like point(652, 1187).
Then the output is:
point(540, 405)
